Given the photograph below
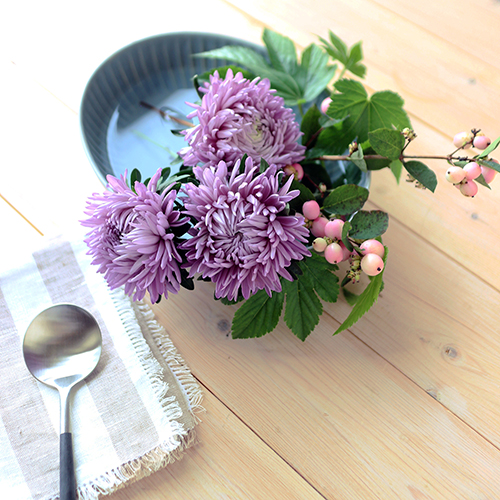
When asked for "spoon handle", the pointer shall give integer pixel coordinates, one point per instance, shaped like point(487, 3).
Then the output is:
point(67, 481)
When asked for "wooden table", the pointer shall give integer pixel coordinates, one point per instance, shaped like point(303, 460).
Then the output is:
point(404, 405)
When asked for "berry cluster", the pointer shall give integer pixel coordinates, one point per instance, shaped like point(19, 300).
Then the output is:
point(368, 257)
point(464, 178)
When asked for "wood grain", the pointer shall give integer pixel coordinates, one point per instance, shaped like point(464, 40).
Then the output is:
point(310, 401)
point(229, 462)
point(402, 406)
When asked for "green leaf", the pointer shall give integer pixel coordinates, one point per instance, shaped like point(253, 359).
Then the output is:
point(349, 58)
point(363, 114)
point(345, 233)
point(245, 56)
point(367, 225)
point(387, 142)
point(331, 141)
point(396, 167)
point(480, 180)
point(353, 65)
point(257, 316)
point(303, 308)
point(351, 298)
point(317, 273)
point(336, 47)
point(222, 70)
point(310, 125)
point(487, 163)
point(422, 173)
point(305, 195)
point(314, 73)
point(281, 50)
point(358, 160)
point(346, 199)
point(285, 84)
point(365, 300)
point(135, 176)
point(490, 148)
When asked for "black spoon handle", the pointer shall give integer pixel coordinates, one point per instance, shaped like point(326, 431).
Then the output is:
point(67, 482)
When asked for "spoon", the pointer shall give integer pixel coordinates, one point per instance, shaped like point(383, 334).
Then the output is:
point(61, 347)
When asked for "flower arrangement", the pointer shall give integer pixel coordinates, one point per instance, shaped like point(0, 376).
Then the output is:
point(261, 206)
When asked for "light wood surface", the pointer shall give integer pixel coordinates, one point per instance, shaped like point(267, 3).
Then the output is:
point(403, 406)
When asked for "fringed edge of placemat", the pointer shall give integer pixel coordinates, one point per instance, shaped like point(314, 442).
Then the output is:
point(168, 451)
point(175, 361)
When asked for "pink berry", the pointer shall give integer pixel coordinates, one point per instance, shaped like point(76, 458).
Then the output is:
point(318, 227)
point(469, 188)
point(311, 210)
point(296, 170)
point(463, 140)
point(319, 244)
point(488, 174)
point(481, 142)
point(372, 246)
point(472, 171)
point(334, 253)
point(324, 105)
point(372, 264)
point(334, 229)
point(345, 252)
point(455, 175)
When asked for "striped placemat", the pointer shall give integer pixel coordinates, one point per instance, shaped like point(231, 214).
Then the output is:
point(131, 417)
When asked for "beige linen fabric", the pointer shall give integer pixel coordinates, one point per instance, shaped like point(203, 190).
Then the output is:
point(131, 417)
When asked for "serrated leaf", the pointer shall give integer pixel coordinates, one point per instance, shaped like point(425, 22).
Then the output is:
point(336, 47)
point(310, 125)
point(257, 316)
point(346, 199)
point(285, 84)
point(490, 148)
point(358, 160)
point(363, 114)
point(331, 141)
point(222, 70)
point(281, 50)
point(314, 72)
point(317, 273)
point(365, 300)
point(422, 173)
point(387, 142)
point(368, 225)
point(396, 167)
point(303, 308)
point(353, 65)
point(350, 297)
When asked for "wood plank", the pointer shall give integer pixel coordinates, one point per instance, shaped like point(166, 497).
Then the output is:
point(45, 173)
point(350, 423)
point(441, 83)
point(33, 38)
point(437, 323)
point(229, 462)
point(454, 21)
point(17, 232)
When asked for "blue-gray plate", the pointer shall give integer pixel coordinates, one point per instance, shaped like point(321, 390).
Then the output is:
point(118, 132)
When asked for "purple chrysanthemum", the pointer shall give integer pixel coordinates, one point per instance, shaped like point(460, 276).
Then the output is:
point(241, 242)
point(131, 239)
point(238, 117)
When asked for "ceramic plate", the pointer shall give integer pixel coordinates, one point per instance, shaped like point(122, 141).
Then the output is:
point(119, 133)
